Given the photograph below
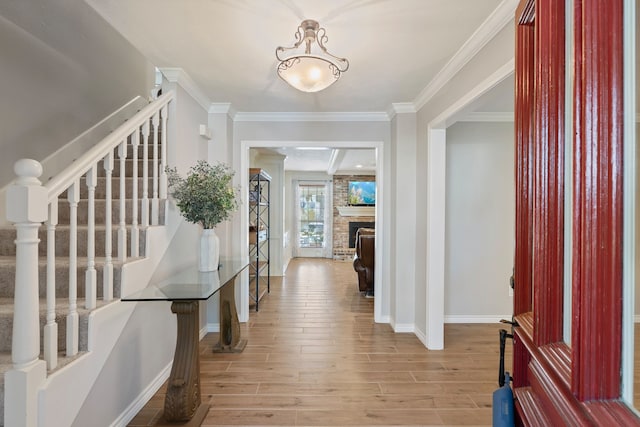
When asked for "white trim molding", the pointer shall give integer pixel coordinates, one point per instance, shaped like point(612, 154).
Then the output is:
point(184, 80)
point(146, 395)
point(401, 108)
point(357, 210)
point(211, 327)
point(501, 16)
point(305, 116)
point(222, 108)
point(404, 328)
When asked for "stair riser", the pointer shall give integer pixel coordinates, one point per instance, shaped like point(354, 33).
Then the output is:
point(8, 279)
point(64, 212)
point(8, 247)
point(6, 330)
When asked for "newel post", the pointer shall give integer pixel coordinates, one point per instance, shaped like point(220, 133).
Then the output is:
point(27, 209)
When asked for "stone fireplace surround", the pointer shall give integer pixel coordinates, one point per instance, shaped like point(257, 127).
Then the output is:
point(341, 236)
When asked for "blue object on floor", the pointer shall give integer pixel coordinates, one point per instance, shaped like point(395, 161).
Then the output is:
point(503, 410)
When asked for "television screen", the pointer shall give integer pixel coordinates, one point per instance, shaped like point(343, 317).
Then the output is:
point(362, 193)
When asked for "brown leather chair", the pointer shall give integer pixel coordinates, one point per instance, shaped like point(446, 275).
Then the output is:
point(364, 259)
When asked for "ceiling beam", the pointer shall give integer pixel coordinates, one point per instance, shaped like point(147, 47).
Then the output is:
point(337, 155)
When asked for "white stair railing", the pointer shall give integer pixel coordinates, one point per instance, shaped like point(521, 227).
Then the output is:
point(107, 273)
point(29, 204)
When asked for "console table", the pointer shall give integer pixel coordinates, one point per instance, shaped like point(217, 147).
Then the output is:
point(185, 290)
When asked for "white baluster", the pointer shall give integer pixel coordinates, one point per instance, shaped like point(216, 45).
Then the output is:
point(163, 154)
point(135, 141)
point(122, 228)
point(145, 176)
point(51, 327)
point(91, 280)
point(155, 206)
point(27, 209)
point(107, 278)
point(73, 195)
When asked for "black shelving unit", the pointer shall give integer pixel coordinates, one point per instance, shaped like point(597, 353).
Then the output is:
point(259, 241)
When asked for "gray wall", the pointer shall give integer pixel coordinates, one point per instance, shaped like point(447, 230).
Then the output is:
point(144, 348)
point(496, 53)
point(480, 212)
point(62, 69)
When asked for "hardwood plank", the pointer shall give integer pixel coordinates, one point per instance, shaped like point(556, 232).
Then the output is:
point(315, 357)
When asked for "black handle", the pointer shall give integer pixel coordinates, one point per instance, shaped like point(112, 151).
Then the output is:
point(503, 338)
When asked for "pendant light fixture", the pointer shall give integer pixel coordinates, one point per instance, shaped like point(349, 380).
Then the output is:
point(314, 69)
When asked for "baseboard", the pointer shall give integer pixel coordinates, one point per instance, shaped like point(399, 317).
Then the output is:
point(143, 398)
point(384, 319)
point(212, 327)
point(421, 336)
point(483, 318)
point(404, 327)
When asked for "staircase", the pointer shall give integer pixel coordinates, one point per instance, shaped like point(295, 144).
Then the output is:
point(98, 214)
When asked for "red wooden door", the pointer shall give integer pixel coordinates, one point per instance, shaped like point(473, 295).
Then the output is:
point(556, 383)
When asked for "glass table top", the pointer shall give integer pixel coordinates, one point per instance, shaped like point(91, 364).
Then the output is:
point(191, 284)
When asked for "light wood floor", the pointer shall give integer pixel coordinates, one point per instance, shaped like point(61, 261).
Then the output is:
point(315, 357)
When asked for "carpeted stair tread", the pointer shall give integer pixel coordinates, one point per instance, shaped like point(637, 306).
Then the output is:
point(8, 235)
point(62, 304)
point(7, 276)
point(82, 261)
point(6, 305)
point(62, 233)
point(64, 211)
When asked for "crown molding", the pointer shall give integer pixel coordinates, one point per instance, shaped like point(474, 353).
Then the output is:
point(312, 117)
point(505, 116)
point(401, 108)
point(501, 16)
point(184, 80)
point(222, 108)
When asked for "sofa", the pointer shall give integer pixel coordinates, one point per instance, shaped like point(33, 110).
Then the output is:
point(364, 259)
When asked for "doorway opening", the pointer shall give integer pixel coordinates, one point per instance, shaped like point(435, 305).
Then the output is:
point(381, 274)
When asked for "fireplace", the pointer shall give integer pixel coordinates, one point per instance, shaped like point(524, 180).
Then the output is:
point(353, 227)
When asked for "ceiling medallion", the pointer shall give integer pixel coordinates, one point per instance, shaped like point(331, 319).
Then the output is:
point(310, 72)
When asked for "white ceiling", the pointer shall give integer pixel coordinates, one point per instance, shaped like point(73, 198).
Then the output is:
point(227, 47)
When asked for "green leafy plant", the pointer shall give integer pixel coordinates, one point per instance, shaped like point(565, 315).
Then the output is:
point(206, 196)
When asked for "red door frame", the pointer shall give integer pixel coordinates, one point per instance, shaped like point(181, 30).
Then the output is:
point(577, 385)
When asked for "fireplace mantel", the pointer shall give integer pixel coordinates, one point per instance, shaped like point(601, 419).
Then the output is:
point(357, 210)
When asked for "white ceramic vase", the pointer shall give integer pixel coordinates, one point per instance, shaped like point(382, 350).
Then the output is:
point(209, 251)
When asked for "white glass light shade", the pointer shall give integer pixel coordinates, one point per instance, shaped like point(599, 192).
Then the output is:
point(308, 73)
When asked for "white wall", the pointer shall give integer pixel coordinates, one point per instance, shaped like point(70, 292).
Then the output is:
point(63, 69)
point(144, 349)
point(220, 149)
point(495, 54)
point(403, 302)
point(480, 213)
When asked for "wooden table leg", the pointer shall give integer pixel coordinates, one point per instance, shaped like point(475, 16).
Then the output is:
point(183, 403)
point(229, 341)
